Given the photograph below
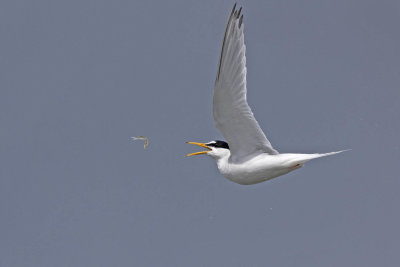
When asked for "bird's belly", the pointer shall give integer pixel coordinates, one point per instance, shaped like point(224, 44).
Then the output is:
point(247, 174)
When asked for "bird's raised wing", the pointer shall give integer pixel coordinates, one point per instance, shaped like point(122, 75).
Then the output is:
point(232, 115)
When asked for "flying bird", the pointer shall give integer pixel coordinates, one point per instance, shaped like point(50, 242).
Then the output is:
point(146, 140)
point(247, 157)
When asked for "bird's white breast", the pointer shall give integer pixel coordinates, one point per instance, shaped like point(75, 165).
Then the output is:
point(258, 169)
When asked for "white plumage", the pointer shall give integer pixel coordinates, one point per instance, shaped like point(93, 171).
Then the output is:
point(247, 157)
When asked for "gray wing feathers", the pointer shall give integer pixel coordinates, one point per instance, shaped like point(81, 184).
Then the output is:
point(232, 115)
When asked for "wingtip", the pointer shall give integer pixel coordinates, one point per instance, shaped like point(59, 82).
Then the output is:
point(234, 8)
point(238, 14)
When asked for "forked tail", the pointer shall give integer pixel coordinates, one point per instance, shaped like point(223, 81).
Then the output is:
point(306, 157)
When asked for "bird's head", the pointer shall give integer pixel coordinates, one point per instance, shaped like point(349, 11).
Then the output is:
point(216, 149)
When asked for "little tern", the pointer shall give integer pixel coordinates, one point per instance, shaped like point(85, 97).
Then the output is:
point(247, 157)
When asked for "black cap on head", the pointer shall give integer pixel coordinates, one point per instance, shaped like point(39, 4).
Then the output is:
point(218, 143)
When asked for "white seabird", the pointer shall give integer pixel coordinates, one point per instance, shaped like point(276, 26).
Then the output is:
point(247, 157)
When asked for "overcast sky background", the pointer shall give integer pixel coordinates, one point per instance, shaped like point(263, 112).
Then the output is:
point(79, 78)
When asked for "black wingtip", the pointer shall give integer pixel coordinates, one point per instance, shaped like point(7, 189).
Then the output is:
point(233, 9)
point(238, 14)
point(240, 21)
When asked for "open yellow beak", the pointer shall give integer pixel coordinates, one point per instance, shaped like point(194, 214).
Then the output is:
point(198, 153)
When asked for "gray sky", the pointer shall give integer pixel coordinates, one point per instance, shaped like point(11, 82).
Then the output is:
point(78, 78)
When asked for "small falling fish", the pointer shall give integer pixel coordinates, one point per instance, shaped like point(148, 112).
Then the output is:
point(146, 140)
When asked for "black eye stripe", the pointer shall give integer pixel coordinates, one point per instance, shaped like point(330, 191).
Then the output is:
point(218, 143)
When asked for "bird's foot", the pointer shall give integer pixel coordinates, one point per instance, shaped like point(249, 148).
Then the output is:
point(298, 165)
